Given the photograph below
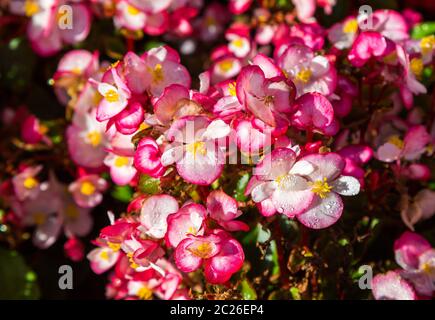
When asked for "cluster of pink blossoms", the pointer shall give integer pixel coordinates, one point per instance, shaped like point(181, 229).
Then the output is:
point(275, 97)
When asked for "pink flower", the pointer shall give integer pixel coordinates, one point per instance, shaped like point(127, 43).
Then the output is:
point(154, 213)
point(47, 17)
point(309, 73)
point(74, 249)
point(115, 97)
point(327, 184)
point(314, 112)
point(219, 254)
point(32, 131)
point(305, 9)
point(369, 45)
point(410, 148)
point(129, 17)
point(391, 286)
point(189, 220)
point(87, 190)
point(26, 184)
point(343, 34)
point(102, 259)
point(224, 209)
point(278, 180)
point(195, 150)
point(420, 207)
point(87, 140)
point(267, 99)
point(147, 158)
point(122, 170)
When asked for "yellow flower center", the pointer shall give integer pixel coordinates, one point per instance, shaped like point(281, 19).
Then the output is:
point(72, 212)
point(396, 141)
point(156, 73)
point(238, 42)
point(114, 246)
point(87, 188)
point(39, 218)
point(121, 161)
point(427, 44)
point(112, 96)
point(428, 268)
point(104, 255)
point(197, 147)
point(30, 183)
point(31, 8)
point(132, 10)
point(94, 138)
point(192, 230)
point(351, 26)
point(133, 264)
point(321, 188)
point(232, 88)
point(417, 66)
point(304, 75)
point(268, 100)
point(144, 293)
point(226, 65)
point(203, 250)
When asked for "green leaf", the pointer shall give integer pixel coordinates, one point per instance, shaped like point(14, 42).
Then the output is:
point(17, 280)
point(423, 29)
point(272, 257)
point(239, 193)
point(149, 185)
point(122, 193)
point(248, 292)
point(295, 293)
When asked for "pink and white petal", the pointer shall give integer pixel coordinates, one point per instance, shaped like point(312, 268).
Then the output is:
point(408, 248)
point(154, 213)
point(228, 261)
point(221, 206)
point(122, 175)
point(267, 66)
point(46, 234)
point(276, 163)
point(329, 166)
point(263, 191)
point(166, 106)
point(102, 259)
point(185, 260)
point(388, 152)
point(215, 130)
point(323, 212)
point(292, 202)
point(266, 208)
point(81, 25)
point(188, 220)
point(346, 186)
point(233, 226)
point(391, 286)
point(202, 169)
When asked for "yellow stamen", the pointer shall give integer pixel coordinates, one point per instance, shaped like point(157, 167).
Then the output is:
point(203, 250)
point(87, 188)
point(42, 129)
point(351, 26)
point(31, 8)
point(268, 100)
point(39, 218)
point(133, 264)
point(417, 66)
point(30, 183)
point(112, 96)
point(427, 44)
point(104, 255)
point(321, 188)
point(232, 88)
point(238, 42)
point(76, 70)
point(156, 73)
point(226, 65)
point(144, 293)
point(192, 230)
point(428, 268)
point(304, 75)
point(114, 246)
point(396, 141)
point(197, 147)
point(132, 10)
point(143, 126)
point(94, 138)
point(121, 161)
